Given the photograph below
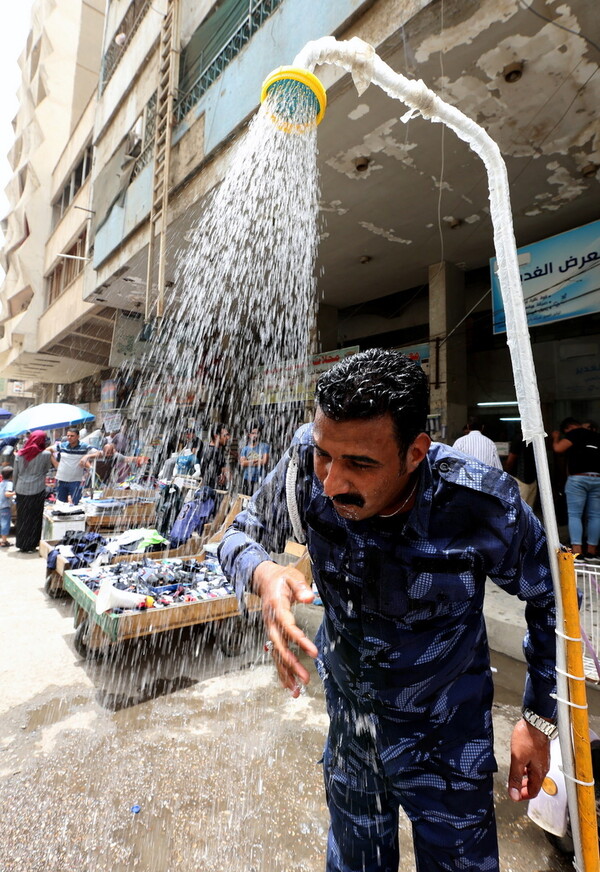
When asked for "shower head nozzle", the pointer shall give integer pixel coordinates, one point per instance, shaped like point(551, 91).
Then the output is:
point(295, 98)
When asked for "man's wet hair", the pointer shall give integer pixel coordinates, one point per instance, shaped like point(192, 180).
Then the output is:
point(374, 383)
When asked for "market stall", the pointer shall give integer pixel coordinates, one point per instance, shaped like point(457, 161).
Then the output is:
point(54, 577)
point(171, 593)
point(228, 507)
point(121, 509)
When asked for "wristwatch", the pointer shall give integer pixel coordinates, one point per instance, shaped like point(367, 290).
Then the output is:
point(545, 727)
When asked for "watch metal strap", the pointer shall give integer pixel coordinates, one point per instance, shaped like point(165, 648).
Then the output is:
point(545, 727)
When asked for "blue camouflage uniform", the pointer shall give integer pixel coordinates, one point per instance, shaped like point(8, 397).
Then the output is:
point(403, 651)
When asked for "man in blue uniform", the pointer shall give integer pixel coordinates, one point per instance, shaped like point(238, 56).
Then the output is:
point(402, 534)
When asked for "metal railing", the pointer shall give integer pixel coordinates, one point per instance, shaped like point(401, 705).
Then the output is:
point(259, 13)
point(128, 27)
point(147, 152)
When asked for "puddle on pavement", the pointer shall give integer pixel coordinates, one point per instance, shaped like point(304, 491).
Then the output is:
point(53, 711)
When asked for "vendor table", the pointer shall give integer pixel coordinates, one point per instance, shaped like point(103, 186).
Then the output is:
point(55, 526)
point(230, 505)
point(96, 634)
point(139, 510)
point(54, 577)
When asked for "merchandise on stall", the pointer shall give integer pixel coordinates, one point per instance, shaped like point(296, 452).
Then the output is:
point(81, 548)
point(156, 584)
point(193, 516)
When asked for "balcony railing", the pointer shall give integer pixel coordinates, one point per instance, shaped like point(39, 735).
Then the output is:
point(259, 13)
point(128, 27)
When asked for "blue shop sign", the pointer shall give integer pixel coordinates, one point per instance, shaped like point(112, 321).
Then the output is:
point(560, 277)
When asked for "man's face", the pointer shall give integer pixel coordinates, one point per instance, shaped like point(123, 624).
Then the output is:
point(223, 437)
point(109, 449)
point(359, 464)
point(253, 436)
point(72, 437)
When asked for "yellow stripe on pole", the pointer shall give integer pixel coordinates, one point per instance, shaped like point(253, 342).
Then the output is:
point(578, 714)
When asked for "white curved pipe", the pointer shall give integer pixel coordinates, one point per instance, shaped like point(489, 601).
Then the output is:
point(360, 59)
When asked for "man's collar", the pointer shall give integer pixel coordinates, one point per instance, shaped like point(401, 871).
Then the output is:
point(418, 518)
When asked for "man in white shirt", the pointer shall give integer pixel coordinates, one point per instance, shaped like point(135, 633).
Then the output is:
point(477, 445)
point(70, 460)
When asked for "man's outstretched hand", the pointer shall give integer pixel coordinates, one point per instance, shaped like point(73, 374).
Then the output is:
point(279, 587)
point(529, 761)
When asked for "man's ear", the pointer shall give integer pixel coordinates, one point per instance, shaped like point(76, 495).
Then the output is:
point(417, 451)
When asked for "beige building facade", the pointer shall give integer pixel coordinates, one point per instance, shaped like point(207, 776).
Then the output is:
point(45, 250)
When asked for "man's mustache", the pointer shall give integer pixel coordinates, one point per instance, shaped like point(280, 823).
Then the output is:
point(349, 500)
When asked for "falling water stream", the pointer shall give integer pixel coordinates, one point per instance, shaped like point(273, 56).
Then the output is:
point(244, 299)
point(200, 744)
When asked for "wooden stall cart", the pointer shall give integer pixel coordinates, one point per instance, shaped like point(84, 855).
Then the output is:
point(229, 506)
point(96, 634)
point(139, 511)
point(54, 577)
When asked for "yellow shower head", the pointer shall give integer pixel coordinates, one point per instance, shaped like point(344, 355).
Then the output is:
point(296, 99)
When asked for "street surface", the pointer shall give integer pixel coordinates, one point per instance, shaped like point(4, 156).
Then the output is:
point(222, 763)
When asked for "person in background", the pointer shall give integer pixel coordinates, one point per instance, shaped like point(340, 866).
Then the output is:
point(6, 495)
point(32, 464)
point(170, 453)
point(590, 425)
point(188, 462)
point(521, 465)
point(254, 457)
point(582, 490)
point(477, 445)
point(121, 441)
point(214, 462)
point(73, 458)
point(107, 465)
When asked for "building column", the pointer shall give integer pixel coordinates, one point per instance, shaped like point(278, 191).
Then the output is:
point(327, 328)
point(447, 356)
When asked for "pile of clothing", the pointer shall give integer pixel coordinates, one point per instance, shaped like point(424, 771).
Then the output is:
point(84, 549)
point(162, 583)
point(61, 509)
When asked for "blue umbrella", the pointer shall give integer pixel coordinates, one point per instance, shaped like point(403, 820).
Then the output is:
point(46, 416)
point(4, 413)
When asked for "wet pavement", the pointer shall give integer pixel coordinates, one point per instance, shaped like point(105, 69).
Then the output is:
point(222, 763)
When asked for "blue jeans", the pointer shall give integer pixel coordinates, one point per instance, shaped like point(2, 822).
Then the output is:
point(583, 502)
point(5, 521)
point(74, 489)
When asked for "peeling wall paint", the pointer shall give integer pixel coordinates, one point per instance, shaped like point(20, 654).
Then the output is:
point(512, 113)
point(568, 187)
point(358, 112)
point(387, 234)
point(333, 206)
point(489, 13)
point(379, 141)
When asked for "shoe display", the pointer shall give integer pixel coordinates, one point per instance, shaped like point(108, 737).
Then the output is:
point(163, 583)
